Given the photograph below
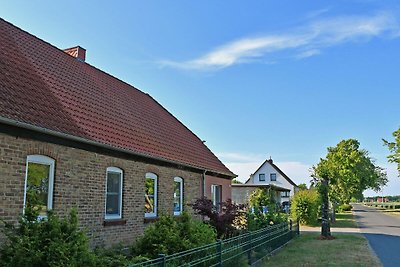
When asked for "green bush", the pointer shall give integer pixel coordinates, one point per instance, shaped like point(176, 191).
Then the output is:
point(170, 235)
point(304, 206)
point(344, 207)
point(261, 197)
point(49, 242)
point(256, 219)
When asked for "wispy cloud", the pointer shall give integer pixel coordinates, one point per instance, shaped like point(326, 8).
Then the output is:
point(299, 43)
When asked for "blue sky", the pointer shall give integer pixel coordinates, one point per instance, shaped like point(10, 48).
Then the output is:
point(284, 79)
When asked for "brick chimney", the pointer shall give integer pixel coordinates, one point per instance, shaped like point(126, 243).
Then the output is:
point(77, 51)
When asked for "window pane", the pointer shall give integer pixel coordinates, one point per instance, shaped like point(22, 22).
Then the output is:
point(113, 182)
point(149, 195)
point(113, 193)
point(38, 187)
point(112, 207)
point(177, 197)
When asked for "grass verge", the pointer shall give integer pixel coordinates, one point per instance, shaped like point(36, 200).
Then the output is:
point(344, 220)
point(344, 250)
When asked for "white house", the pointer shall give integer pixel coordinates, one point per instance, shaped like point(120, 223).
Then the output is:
point(268, 174)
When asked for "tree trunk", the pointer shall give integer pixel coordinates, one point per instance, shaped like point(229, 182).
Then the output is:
point(325, 227)
point(333, 211)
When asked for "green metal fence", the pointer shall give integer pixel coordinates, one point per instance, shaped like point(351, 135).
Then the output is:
point(242, 250)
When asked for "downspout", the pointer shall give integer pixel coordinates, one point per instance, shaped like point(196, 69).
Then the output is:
point(204, 183)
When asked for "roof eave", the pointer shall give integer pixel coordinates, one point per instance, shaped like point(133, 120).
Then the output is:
point(43, 130)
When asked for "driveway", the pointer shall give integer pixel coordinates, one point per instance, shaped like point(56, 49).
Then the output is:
point(382, 232)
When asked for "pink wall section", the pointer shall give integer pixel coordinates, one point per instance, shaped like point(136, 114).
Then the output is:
point(226, 186)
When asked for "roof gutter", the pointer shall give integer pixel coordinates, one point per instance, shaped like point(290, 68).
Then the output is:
point(91, 142)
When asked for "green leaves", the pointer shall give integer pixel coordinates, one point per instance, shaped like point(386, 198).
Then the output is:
point(394, 148)
point(304, 206)
point(350, 170)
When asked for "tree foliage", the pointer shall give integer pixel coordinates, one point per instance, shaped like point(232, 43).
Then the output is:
point(262, 197)
point(394, 148)
point(304, 206)
point(50, 242)
point(350, 170)
point(222, 220)
point(170, 235)
point(302, 186)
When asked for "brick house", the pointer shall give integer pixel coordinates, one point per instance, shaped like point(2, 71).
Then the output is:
point(75, 136)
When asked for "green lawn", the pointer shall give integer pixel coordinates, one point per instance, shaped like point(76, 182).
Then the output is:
point(345, 250)
point(344, 220)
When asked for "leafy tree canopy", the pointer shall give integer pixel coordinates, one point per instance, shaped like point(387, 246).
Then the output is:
point(302, 186)
point(350, 170)
point(235, 181)
point(394, 148)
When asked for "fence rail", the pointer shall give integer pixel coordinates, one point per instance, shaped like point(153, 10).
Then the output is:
point(242, 250)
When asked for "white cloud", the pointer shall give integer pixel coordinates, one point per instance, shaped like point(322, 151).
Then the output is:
point(308, 53)
point(310, 39)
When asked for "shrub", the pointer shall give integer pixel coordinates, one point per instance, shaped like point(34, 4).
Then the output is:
point(304, 206)
point(224, 221)
point(256, 219)
point(170, 235)
point(261, 197)
point(49, 242)
point(344, 207)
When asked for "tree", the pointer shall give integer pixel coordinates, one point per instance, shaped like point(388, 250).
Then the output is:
point(236, 181)
point(302, 186)
point(394, 148)
point(262, 197)
point(346, 172)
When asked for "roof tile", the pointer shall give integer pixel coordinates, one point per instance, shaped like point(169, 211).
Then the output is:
point(43, 86)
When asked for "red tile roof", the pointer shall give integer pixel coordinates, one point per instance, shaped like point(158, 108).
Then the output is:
point(45, 87)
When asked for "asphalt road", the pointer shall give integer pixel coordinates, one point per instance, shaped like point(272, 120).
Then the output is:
point(382, 232)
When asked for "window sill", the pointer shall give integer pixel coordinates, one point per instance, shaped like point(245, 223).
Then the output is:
point(112, 222)
point(150, 219)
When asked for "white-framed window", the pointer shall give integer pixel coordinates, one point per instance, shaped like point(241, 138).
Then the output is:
point(114, 180)
point(285, 194)
point(39, 183)
point(150, 196)
point(216, 196)
point(261, 177)
point(273, 177)
point(178, 195)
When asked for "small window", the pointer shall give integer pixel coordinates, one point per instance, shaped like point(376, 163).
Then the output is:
point(216, 196)
point(150, 197)
point(273, 177)
point(39, 181)
point(261, 177)
point(285, 194)
point(178, 195)
point(114, 193)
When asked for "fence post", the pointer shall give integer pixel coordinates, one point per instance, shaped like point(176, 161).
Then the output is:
point(290, 225)
point(298, 227)
point(249, 261)
point(219, 252)
point(164, 260)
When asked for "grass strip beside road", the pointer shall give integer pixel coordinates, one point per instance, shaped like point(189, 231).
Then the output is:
point(344, 220)
point(306, 250)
